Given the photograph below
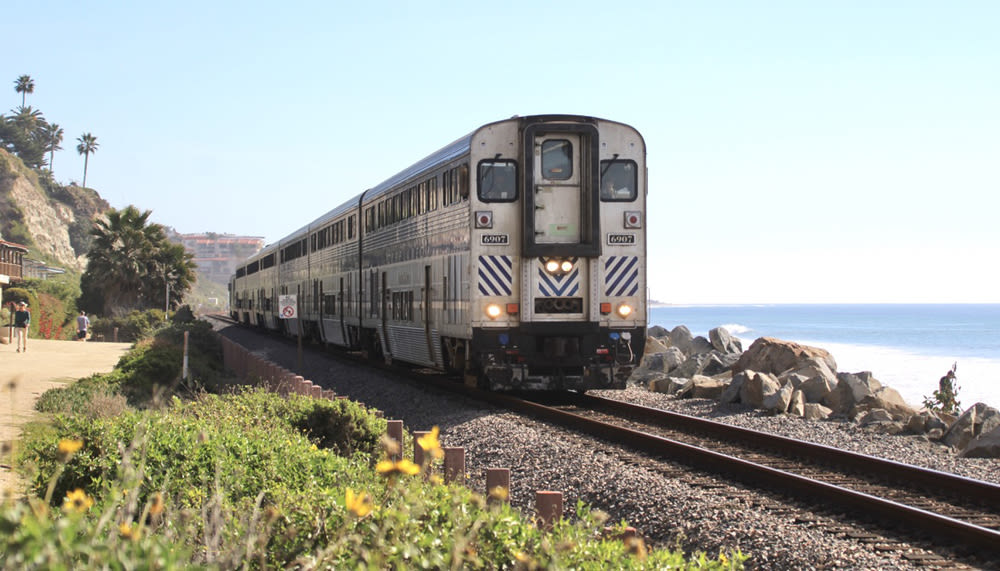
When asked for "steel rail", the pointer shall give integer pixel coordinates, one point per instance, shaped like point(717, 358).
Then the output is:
point(984, 492)
point(962, 533)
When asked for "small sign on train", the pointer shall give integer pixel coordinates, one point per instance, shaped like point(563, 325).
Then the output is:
point(288, 306)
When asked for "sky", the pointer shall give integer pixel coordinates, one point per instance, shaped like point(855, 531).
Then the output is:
point(798, 151)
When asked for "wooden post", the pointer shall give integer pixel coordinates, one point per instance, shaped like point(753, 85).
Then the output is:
point(497, 485)
point(184, 366)
point(394, 430)
point(549, 507)
point(418, 452)
point(454, 464)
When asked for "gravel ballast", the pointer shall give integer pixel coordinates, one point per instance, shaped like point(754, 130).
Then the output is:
point(693, 510)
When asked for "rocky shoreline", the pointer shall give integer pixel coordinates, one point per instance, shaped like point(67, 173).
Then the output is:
point(784, 378)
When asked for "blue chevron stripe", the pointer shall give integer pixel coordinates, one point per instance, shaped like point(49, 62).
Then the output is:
point(558, 286)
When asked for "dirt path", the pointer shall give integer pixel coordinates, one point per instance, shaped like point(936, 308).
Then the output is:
point(25, 376)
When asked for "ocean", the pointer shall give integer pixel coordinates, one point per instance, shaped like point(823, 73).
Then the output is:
point(907, 347)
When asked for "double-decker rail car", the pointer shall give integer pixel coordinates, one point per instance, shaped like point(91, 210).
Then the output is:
point(515, 256)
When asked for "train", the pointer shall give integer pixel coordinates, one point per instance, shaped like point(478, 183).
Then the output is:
point(513, 258)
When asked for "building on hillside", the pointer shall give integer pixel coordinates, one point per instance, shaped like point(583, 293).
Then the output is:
point(11, 263)
point(217, 255)
point(39, 270)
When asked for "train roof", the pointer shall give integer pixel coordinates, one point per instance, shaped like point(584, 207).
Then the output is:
point(442, 156)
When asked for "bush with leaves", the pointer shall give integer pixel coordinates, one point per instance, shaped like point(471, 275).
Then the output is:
point(132, 327)
point(224, 483)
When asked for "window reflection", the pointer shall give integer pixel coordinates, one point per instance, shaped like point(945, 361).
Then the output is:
point(497, 181)
point(619, 181)
point(557, 159)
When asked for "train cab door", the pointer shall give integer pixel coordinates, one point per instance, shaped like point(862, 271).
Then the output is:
point(561, 221)
point(557, 188)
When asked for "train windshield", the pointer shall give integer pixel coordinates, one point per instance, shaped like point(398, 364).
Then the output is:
point(498, 181)
point(619, 181)
point(557, 159)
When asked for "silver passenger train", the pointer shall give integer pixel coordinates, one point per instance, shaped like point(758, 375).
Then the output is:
point(515, 256)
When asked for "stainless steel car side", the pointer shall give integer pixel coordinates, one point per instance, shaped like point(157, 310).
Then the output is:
point(514, 256)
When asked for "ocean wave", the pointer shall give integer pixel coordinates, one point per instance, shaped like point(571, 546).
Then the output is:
point(736, 328)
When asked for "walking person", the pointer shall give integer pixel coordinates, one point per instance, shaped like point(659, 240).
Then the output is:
point(82, 324)
point(22, 319)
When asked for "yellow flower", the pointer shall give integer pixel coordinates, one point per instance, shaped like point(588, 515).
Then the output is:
point(126, 531)
point(360, 504)
point(390, 468)
point(77, 501)
point(430, 443)
point(499, 493)
point(636, 547)
point(67, 446)
point(156, 507)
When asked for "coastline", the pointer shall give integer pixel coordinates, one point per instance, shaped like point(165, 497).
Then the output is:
point(906, 346)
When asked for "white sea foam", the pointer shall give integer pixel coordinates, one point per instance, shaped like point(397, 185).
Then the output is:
point(736, 329)
point(916, 376)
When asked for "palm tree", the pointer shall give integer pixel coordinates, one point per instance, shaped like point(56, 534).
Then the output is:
point(24, 85)
point(128, 261)
point(53, 136)
point(88, 144)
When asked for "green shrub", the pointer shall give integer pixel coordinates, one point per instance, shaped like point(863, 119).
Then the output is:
point(76, 396)
point(132, 327)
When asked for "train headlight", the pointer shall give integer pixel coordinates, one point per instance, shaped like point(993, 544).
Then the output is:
point(493, 310)
point(624, 310)
point(552, 266)
point(566, 266)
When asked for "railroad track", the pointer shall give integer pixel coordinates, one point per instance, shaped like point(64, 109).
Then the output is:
point(934, 507)
point(928, 507)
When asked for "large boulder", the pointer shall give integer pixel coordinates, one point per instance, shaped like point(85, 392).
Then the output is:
point(656, 331)
point(717, 363)
point(852, 388)
point(797, 406)
point(655, 345)
point(702, 387)
point(663, 383)
point(777, 402)
point(700, 346)
point(816, 388)
point(969, 425)
point(681, 338)
point(732, 392)
point(775, 356)
point(814, 411)
point(757, 387)
point(987, 445)
point(889, 400)
point(690, 367)
point(723, 341)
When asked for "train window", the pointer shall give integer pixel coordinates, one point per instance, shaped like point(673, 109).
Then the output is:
point(498, 181)
point(557, 159)
point(432, 197)
point(463, 182)
point(350, 227)
point(619, 181)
